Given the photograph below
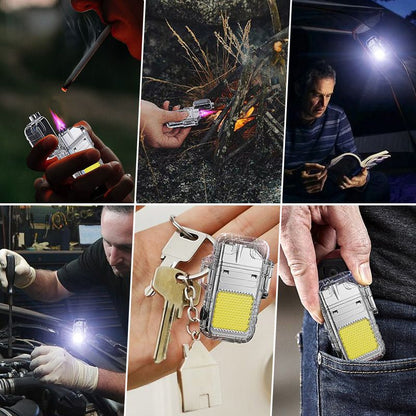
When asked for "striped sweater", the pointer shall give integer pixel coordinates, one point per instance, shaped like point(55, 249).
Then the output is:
point(328, 136)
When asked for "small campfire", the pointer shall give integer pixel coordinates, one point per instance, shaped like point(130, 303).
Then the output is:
point(251, 102)
point(249, 97)
point(242, 71)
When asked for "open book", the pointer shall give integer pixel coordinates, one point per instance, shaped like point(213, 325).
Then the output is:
point(350, 164)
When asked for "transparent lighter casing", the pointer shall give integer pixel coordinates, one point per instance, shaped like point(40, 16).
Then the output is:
point(37, 128)
point(71, 140)
point(194, 114)
point(239, 278)
point(348, 309)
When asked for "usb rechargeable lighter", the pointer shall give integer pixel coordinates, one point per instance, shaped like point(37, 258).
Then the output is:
point(195, 113)
point(239, 278)
point(348, 309)
point(71, 140)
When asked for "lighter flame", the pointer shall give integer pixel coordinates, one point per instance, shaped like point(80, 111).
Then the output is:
point(206, 113)
point(243, 121)
point(59, 123)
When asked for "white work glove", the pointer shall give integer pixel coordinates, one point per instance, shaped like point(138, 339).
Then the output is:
point(24, 274)
point(55, 365)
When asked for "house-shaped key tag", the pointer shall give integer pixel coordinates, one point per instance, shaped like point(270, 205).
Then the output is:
point(199, 379)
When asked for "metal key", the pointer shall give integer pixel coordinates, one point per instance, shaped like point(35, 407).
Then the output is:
point(180, 249)
point(165, 283)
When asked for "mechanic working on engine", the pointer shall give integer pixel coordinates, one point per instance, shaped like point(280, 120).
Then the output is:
point(107, 263)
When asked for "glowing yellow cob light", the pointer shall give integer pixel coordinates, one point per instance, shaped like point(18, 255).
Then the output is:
point(232, 311)
point(358, 339)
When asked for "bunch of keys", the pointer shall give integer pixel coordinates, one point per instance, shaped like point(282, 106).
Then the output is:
point(239, 277)
point(169, 282)
point(198, 376)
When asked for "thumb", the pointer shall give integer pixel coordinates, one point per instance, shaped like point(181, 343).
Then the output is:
point(175, 115)
point(354, 242)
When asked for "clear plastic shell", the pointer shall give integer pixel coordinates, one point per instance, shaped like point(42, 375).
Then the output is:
point(239, 278)
point(348, 309)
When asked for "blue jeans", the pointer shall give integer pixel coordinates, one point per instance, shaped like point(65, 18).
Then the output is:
point(334, 387)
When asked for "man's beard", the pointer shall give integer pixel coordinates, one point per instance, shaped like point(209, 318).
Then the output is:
point(118, 272)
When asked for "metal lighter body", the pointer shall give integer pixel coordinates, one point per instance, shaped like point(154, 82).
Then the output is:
point(71, 140)
point(194, 115)
point(239, 278)
point(74, 140)
point(348, 309)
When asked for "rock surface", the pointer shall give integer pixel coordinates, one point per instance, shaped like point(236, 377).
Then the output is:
point(207, 11)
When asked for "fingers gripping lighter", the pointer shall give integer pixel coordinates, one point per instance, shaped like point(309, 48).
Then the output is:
point(348, 309)
point(239, 278)
point(71, 140)
point(200, 108)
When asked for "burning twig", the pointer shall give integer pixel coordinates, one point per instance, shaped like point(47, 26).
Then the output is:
point(227, 129)
point(213, 129)
point(254, 107)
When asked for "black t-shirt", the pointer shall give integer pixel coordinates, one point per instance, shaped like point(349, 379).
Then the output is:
point(392, 231)
point(92, 269)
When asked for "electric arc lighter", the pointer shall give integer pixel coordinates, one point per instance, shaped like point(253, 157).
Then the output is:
point(239, 278)
point(71, 140)
point(348, 309)
point(195, 113)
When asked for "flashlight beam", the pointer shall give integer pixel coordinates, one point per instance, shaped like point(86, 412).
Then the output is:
point(85, 59)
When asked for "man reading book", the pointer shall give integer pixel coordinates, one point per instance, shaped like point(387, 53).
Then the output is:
point(316, 132)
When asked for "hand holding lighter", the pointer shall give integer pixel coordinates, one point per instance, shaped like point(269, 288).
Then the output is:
point(71, 140)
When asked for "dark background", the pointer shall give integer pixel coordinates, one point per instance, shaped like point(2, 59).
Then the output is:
point(39, 48)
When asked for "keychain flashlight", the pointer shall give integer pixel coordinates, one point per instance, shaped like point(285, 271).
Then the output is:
point(348, 309)
point(239, 278)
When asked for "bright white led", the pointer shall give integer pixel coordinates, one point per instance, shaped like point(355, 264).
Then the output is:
point(78, 338)
point(79, 331)
point(377, 48)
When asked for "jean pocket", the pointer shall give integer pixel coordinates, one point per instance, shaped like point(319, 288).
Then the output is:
point(376, 388)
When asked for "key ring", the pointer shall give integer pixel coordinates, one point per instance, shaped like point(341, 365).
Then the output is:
point(192, 311)
point(187, 232)
point(181, 229)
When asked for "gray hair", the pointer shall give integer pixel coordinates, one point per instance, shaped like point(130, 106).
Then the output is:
point(318, 70)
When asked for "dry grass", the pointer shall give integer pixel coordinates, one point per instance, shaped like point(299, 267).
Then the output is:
point(149, 165)
point(235, 45)
point(231, 50)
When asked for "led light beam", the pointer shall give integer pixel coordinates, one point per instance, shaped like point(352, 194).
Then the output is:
point(377, 48)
